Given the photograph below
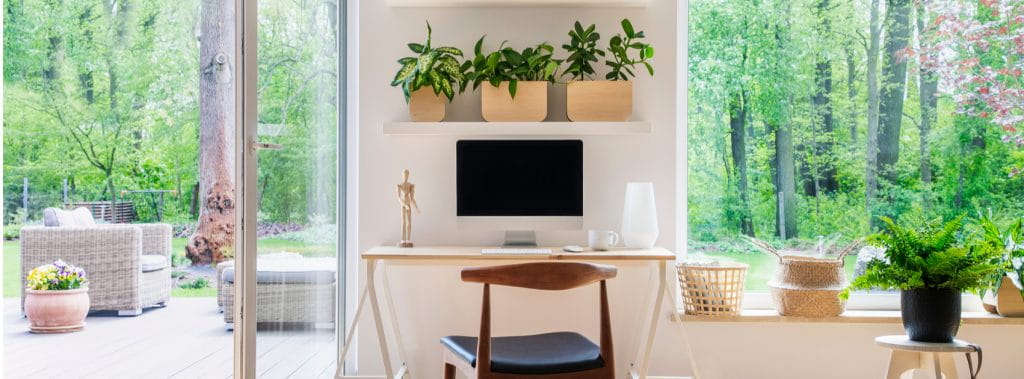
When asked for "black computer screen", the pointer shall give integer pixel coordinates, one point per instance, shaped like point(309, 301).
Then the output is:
point(519, 177)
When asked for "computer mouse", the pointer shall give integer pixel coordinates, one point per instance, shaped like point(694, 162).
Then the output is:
point(573, 249)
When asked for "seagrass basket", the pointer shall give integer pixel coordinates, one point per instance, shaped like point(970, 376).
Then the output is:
point(806, 286)
point(712, 290)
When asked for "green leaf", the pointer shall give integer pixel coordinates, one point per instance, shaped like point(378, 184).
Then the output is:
point(404, 73)
point(429, 32)
point(449, 50)
point(578, 28)
point(650, 70)
point(416, 48)
point(648, 51)
point(426, 61)
point(478, 46)
point(615, 41)
point(512, 85)
point(628, 28)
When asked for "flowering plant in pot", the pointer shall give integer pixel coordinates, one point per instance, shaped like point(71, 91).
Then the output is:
point(1005, 290)
point(931, 264)
point(610, 99)
point(57, 298)
point(425, 77)
point(518, 81)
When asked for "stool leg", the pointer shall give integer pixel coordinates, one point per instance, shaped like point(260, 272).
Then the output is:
point(930, 362)
point(900, 361)
point(948, 367)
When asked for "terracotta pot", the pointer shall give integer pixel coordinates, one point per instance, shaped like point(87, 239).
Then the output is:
point(426, 106)
point(530, 103)
point(599, 100)
point(56, 311)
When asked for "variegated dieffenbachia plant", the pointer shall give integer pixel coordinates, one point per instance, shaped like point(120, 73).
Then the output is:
point(436, 67)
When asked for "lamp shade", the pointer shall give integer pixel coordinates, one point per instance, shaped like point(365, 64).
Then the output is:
point(639, 216)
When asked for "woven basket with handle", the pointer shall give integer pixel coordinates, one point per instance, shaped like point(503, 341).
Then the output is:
point(806, 286)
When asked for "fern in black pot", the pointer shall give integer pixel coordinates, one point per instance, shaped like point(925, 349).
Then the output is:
point(931, 263)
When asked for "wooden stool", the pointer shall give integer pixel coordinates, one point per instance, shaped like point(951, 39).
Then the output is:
point(937, 357)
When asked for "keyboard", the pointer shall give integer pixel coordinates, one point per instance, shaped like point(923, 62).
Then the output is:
point(515, 251)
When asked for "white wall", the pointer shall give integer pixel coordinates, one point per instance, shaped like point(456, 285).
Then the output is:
point(432, 302)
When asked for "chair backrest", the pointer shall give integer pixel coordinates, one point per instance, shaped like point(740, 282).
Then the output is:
point(59, 217)
point(552, 276)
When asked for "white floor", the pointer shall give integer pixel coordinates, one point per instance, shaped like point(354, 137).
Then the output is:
point(186, 339)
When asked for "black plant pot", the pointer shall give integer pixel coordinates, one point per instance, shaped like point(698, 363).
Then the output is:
point(930, 315)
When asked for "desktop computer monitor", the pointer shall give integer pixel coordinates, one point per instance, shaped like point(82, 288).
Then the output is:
point(519, 186)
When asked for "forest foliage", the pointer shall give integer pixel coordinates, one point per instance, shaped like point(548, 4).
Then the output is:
point(783, 137)
point(105, 95)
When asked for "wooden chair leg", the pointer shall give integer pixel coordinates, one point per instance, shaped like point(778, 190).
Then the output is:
point(449, 371)
point(948, 367)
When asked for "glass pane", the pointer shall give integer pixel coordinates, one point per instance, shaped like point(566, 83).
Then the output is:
point(785, 144)
point(297, 279)
point(102, 113)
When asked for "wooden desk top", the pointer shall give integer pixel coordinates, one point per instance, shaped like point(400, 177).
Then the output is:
point(474, 253)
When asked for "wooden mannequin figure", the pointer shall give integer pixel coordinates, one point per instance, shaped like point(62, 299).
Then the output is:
point(407, 198)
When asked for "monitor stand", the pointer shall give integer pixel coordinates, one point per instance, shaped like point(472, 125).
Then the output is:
point(520, 238)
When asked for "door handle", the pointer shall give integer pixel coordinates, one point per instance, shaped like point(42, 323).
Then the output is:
point(257, 146)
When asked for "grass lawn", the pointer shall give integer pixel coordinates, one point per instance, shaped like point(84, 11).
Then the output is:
point(12, 262)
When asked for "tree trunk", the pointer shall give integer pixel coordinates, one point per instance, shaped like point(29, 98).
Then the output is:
point(737, 127)
point(894, 76)
point(825, 169)
point(215, 231)
point(929, 85)
point(871, 152)
point(851, 93)
point(785, 182)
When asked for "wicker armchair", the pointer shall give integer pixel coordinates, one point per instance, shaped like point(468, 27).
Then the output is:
point(124, 274)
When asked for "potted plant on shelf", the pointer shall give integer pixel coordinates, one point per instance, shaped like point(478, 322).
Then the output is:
point(1005, 295)
point(931, 267)
point(610, 99)
point(517, 81)
point(56, 298)
point(424, 78)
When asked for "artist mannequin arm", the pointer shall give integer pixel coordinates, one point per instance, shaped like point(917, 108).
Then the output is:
point(412, 197)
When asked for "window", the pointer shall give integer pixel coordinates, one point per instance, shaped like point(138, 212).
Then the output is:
point(810, 119)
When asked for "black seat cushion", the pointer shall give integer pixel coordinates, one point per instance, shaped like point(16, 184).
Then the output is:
point(548, 353)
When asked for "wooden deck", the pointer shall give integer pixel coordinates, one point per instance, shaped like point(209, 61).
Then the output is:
point(186, 339)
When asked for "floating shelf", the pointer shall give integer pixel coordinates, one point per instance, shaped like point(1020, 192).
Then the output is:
point(518, 3)
point(555, 128)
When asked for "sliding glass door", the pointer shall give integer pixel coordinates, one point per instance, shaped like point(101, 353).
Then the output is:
point(290, 203)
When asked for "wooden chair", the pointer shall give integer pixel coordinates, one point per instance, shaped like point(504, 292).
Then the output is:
point(560, 355)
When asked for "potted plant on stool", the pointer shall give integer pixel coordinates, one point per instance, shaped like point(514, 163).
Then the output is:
point(518, 89)
point(610, 99)
point(57, 298)
point(931, 267)
point(426, 77)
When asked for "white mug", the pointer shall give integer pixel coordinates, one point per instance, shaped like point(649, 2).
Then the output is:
point(601, 240)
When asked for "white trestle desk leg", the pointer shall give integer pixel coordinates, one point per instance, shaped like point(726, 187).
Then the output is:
point(382, 337)
point(351, 333)
point(392, 312)
point(652, 326)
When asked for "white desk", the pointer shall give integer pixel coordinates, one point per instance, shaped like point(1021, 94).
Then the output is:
point(658, 257)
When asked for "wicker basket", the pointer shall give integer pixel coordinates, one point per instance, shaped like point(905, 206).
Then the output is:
point(712, 290)
point(807, 286)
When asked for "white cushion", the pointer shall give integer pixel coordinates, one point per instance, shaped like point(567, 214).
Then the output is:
point(59, 217)
point(83, 217)
point(290, 271)
point(151, 262)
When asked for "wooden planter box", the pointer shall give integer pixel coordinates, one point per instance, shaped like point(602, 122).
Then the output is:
point(530, 104)
point(599, 100)
point(1007, 302)
point(426, 106)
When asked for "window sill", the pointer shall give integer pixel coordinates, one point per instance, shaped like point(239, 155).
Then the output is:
point(848, 317)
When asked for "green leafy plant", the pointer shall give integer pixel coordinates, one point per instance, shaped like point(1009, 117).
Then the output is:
point(434, 67)
point(583, 51)
point(1010, 242)
point(508, 65)
point(619, 46)
point(198, 283)
point(927, 256)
